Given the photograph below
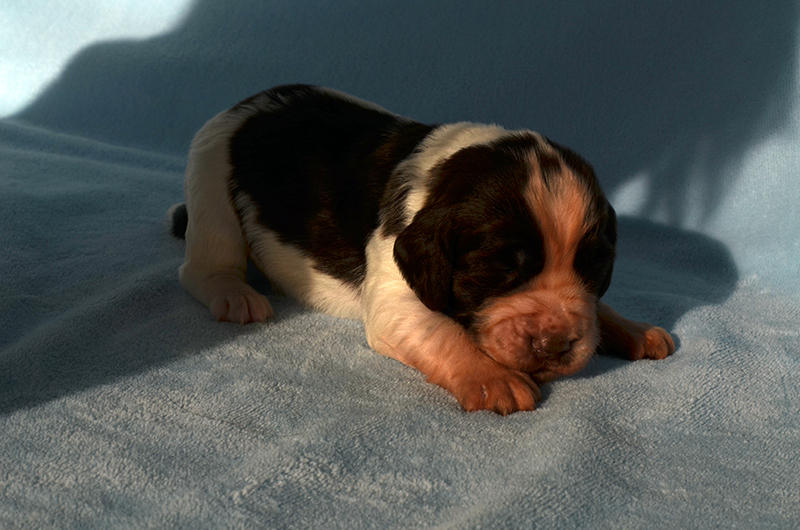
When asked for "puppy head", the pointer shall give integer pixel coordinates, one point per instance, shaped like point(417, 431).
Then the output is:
point(516, 242)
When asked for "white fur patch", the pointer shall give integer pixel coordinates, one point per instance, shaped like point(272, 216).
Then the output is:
point(214, 243)
point(293, 272)
point(397, 323)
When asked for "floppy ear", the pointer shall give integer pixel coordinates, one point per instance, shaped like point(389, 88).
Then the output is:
point(611, 237)
point(424, 253)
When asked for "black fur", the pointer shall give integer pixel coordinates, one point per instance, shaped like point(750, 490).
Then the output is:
point(318, 166)
point(179, 220)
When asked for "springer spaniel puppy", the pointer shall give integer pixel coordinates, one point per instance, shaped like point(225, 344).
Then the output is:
point(474, 254)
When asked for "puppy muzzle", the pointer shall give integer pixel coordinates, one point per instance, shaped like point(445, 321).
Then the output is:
point(547, 345)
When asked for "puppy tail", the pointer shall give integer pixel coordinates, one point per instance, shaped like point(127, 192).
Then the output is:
point(178, 219)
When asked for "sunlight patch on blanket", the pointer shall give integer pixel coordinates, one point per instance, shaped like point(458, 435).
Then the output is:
point(631, 197)
point(757, 220)
point(757, 213)
point(28, 65)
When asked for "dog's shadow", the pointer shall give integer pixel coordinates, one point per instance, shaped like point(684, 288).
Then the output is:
point(661, 273)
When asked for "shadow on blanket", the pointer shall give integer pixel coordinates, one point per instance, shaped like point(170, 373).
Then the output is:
point(690, 270)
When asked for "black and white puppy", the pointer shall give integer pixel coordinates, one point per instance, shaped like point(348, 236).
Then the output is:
point(474, 254)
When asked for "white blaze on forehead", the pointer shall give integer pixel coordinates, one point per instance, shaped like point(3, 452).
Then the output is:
point(561, 207)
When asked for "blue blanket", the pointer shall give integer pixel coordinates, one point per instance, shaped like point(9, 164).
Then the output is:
point(124, 405)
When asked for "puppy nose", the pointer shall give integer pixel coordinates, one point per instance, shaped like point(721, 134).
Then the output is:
point(552, 345)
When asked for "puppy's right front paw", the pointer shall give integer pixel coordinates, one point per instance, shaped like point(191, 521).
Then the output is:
point(501, 390)
point(242, 307)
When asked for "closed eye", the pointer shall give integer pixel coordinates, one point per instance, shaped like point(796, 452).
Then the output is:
point(521, 262)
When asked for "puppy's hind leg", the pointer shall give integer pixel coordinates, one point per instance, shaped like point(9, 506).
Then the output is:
point(214, 270)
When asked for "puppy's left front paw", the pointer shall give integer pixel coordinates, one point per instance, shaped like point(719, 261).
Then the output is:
point(500, 390)
point(631, 340)
point(655, 343)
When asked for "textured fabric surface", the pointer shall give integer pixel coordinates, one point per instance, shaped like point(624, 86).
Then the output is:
point(124, 405)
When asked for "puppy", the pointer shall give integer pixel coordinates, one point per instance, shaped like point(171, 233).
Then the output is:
point(474, 254)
